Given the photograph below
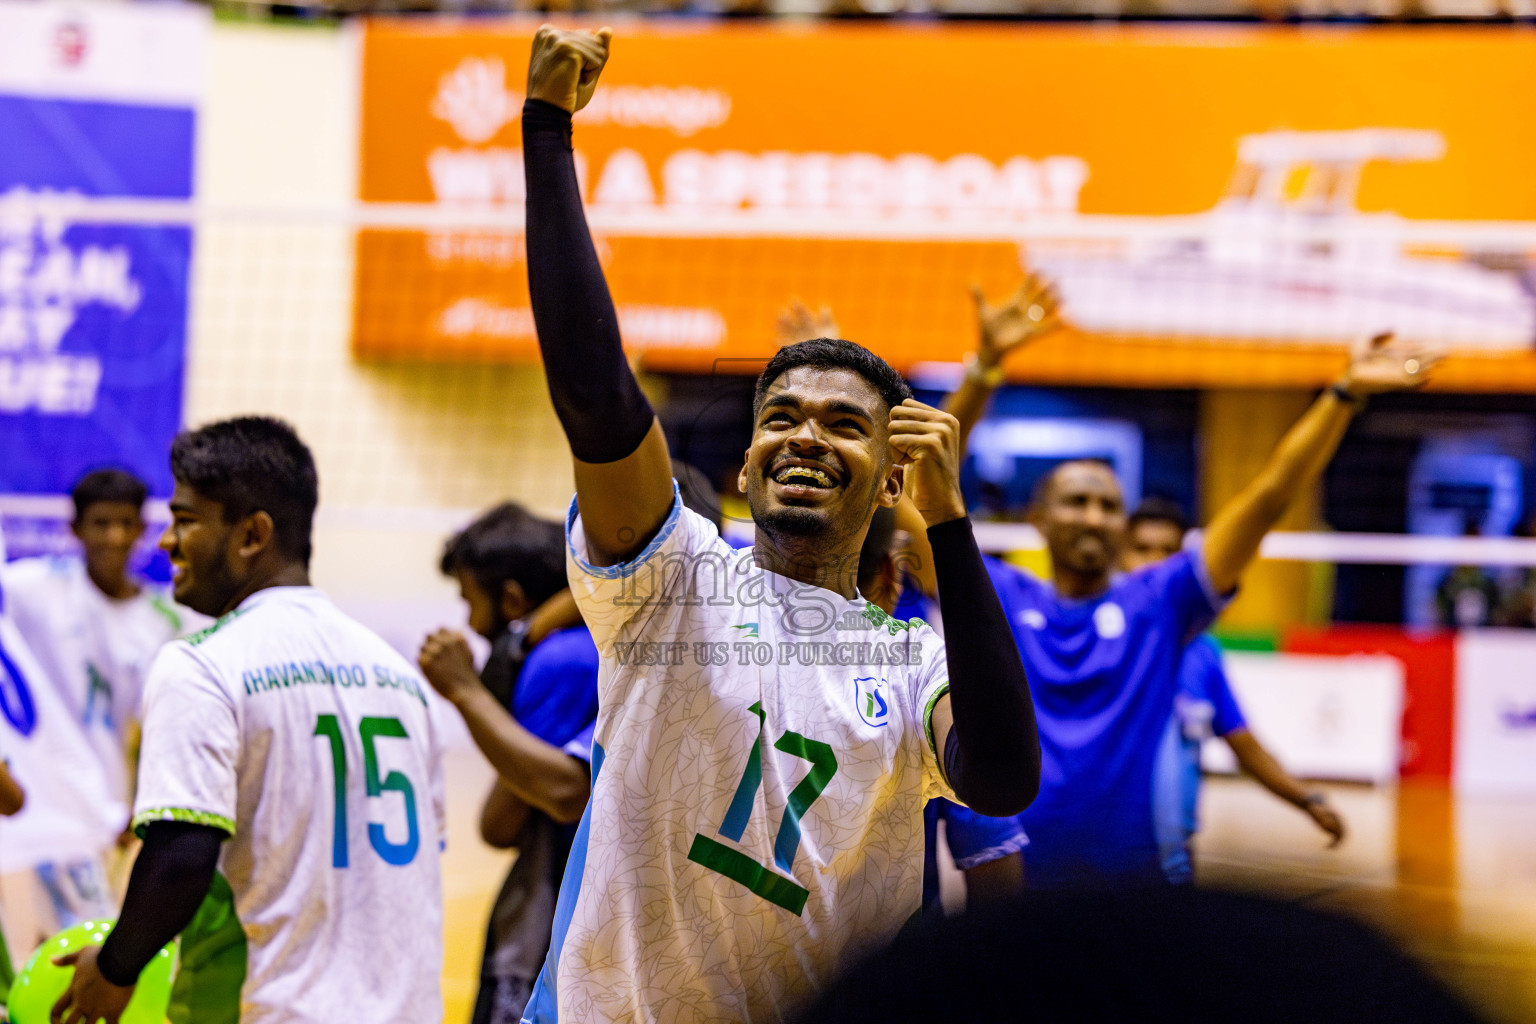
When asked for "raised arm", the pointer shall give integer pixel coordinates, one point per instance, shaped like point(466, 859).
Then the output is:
point(1376, 365)
point(984, 727)
point(535, 772)
point(1029, 313)
point(622, 468)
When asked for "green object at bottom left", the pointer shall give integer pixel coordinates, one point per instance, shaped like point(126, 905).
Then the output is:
point(39, 984)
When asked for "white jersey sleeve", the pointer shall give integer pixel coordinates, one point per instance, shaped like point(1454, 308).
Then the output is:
point(923, 687)
point(188, 761)
point(617, 598)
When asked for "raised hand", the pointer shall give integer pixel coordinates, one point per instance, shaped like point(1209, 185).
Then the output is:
point(797, 323)
point(1381, 363)
point(927, 442)
point(564, 65)
point(447, 663)
point(1029, 313)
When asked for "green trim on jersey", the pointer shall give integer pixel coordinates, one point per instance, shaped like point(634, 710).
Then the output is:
point(211, 969)
point(169, 614)
point(144, 818)
point(879, 618)
point(933, 744)
point(207, 631)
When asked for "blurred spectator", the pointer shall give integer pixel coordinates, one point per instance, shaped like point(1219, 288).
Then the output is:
point(1517, 608)
point(531, 710)
point(1467, 597)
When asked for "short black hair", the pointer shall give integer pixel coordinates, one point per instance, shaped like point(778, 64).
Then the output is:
point(1043, 481)
point(510, 543)
point(107, 485)
point(1159, 510)
point(253, 464)
point(832, 354)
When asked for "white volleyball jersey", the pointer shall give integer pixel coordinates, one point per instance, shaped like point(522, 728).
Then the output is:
point(311, 741)
point(74, 772)
point(762, 756)
point(95, 650)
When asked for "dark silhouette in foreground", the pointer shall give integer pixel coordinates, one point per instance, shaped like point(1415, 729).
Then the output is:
point(1146, 956)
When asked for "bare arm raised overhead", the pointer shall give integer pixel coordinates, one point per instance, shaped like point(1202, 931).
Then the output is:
point(1376, 365)
point(623, 471)
point(1029, 313)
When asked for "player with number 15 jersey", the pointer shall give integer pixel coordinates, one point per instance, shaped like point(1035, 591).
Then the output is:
point(309, 740)
point(290, 796)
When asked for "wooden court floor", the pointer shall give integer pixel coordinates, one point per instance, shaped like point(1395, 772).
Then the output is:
point(1453, 880)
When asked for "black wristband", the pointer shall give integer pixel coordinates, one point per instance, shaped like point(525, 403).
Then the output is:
point(1347, 396)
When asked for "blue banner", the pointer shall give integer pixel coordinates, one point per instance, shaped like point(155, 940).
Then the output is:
point(93, 311)
point(93, 332)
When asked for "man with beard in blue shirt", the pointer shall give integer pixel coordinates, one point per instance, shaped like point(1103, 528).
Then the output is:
point(1102, 650)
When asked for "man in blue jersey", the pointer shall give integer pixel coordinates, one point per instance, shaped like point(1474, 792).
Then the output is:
point(1102, 651)
point(1204, 707)
point(530, 711)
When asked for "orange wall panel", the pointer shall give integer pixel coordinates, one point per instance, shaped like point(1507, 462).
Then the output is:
point(882, 169)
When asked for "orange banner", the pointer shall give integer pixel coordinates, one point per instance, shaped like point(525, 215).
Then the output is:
point(1219, 206)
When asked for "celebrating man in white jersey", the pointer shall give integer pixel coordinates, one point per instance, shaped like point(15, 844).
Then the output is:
point(94, 627)
point(291, 749)
point(766, 739)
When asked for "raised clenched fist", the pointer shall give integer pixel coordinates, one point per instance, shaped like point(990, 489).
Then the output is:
point(926, 441)
point(564, 65)
point(448, 665)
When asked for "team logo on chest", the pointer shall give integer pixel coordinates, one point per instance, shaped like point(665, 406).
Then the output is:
point(869, 698)
point(1109, 621)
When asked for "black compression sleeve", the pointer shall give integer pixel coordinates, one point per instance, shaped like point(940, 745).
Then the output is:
point(170, 878)
point(992, 756)
point(599, 403)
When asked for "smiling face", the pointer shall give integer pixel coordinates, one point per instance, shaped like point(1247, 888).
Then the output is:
point(108, 530)
point(820, 458)
point(1081, 514)
point(203, 550)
